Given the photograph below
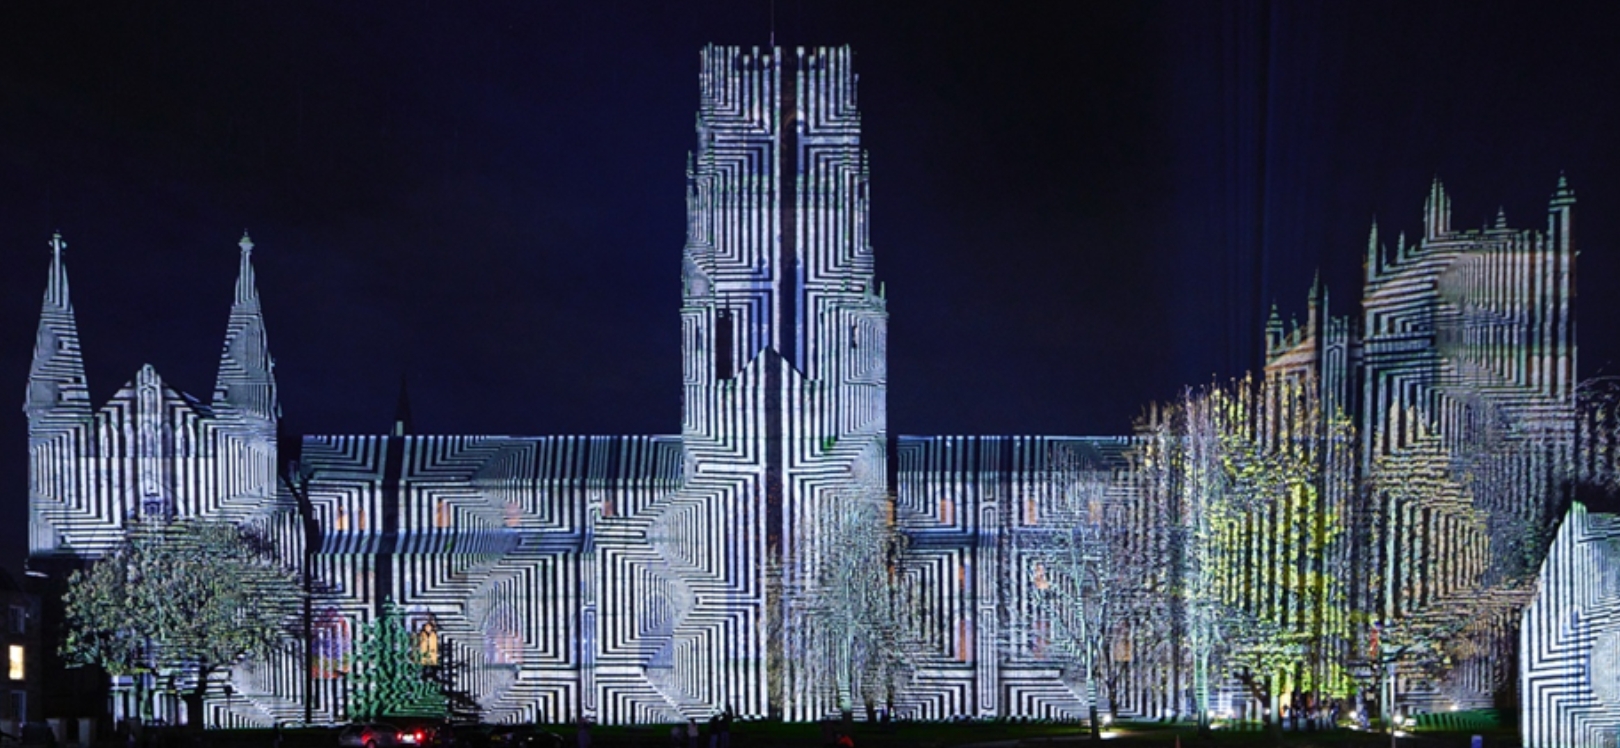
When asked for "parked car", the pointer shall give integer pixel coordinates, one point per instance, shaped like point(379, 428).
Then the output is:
point(425, 731)
point(377, 735)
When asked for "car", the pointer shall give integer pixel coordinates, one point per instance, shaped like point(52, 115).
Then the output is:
point(378, 735)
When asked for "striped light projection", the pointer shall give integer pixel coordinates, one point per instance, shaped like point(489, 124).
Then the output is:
point(636, 579)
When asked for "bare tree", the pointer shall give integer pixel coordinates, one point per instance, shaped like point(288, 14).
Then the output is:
point(1085, 576)
point(848, 623)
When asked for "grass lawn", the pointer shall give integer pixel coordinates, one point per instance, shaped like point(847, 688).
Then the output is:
point(946, 735)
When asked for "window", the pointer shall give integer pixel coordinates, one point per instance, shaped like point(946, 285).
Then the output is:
point(15, 655)
point(18, 619)
point(427, 645)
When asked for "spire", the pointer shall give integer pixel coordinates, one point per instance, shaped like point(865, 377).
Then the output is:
point(1436, 212)
point(1373, 256)
point(1311, 301)
point(247, 292)
point(1562, 194)
point(1501, 217)
point(57, 395)
point(246, 386)
point(1274, 330)
point(402, 409)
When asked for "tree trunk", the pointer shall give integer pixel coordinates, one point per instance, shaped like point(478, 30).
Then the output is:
point(194, 700)
point(1274, 723)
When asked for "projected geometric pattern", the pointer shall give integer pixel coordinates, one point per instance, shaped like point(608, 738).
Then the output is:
point(783, 338)
point(152, 452)
point(1570, 638)
point(656, 578)
point(513, 548)
point(975, 509)
point(1468, 369)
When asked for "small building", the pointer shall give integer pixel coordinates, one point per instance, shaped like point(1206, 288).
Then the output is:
point(20, 642)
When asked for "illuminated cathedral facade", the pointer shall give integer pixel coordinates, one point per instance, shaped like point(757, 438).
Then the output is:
point(639, 579)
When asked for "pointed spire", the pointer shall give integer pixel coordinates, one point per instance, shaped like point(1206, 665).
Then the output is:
point(1501, 217)
point(1373, 255)
point(56, 285)
point(1562, 194)
point(1436, 211)
point(1310, 303)
point(246, 386)
point(57, 395)
point(1274, 330)
point(402, 409)
point(247, 291)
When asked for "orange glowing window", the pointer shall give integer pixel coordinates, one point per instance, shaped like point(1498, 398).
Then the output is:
point(427, 645)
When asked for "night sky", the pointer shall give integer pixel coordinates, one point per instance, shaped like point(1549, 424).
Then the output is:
point(1076, 211)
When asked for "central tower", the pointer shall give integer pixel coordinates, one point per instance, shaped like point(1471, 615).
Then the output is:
point(783, 336)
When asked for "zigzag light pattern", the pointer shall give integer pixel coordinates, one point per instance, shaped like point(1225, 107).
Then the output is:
point(1569, 639)
point(654, 578)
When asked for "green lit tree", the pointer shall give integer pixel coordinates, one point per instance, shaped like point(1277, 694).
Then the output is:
point(1255, 478)
point(389, 679)
point(186, 599)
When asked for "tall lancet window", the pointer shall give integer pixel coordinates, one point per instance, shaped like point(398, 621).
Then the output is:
point(723, 334)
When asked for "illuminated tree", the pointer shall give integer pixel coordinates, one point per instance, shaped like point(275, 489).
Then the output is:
point(851, 616)
point(1256, 476)
point(390, 677)
point(186, 598)
point(1438, 610)
point(1087, 577)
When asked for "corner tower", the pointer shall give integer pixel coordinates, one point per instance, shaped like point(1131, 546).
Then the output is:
point(784, 337)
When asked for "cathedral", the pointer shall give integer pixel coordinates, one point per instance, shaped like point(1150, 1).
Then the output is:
point(735, 562)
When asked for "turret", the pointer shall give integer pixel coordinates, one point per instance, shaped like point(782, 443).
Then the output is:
point(57, 397)
point(1374, 261)
point(245, 389)
point(1560, 211)
point(1274, 332)
point(1436, 212)
point(1561, 237)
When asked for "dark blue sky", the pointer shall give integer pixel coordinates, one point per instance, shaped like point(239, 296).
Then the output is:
point(1076, 210)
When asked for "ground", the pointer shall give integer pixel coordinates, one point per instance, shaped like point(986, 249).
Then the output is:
point(943, 735)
